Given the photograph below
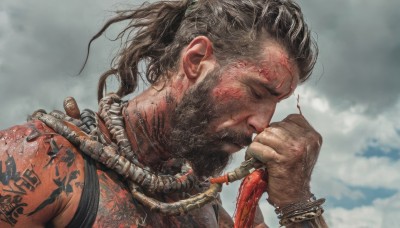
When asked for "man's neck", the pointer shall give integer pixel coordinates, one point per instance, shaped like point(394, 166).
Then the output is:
point(147, 119)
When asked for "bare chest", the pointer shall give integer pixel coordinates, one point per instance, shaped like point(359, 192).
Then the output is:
point(118, 209)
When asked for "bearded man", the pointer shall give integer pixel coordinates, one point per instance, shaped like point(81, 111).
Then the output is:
point(217, 70)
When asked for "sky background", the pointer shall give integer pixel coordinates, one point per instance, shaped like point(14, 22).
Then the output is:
point(352, 99)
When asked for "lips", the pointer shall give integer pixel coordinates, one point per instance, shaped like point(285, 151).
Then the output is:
point(242, 141)
point(230, 147)
point(237, 143)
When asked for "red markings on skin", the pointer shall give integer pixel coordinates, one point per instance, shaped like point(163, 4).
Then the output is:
point(264, 72)
point(178, 86)
point(278, 72)
point(280, 84)
point(225, 93)
point(285, 62)
point(269, 70)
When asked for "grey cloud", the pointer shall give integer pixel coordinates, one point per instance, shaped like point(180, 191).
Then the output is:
point(359, 52)
point(42, 47)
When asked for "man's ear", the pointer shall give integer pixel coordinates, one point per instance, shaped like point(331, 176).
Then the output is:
point(197, 55)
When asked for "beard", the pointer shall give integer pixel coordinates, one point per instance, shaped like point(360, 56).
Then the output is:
point(191, 137)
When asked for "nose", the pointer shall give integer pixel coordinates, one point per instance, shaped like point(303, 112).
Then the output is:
point(261, 117)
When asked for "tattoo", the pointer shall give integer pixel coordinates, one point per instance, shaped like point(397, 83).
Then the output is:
point(79, 185)
point(10, 172)
point(54, 150)
point(116, 205)
point(17, 183)
point(34, 133)
point(141, 124)
point(69, 158)
point(63, 185)
point(10, 208)
point(28, 181)
point(158, 124)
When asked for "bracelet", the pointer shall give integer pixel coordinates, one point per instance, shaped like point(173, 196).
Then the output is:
point(303, 217)
point(300, 211)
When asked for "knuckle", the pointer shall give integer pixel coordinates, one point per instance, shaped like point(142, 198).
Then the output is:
point(276, 129)
point(261, 135)
point(298, 148)
point(250, 150)
point(284, 125)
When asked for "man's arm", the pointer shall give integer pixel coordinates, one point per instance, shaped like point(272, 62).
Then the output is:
point(259, 219)
point(314, 223)
point(41, 175)
point(226, 221)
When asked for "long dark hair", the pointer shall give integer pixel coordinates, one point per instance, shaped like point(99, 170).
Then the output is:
point(157, 32)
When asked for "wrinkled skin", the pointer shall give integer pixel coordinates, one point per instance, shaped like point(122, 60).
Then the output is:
point(289, 149)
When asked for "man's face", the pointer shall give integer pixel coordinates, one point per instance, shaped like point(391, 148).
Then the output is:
point(219, 116)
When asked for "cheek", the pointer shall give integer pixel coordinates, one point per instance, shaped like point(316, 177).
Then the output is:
point(230, 102)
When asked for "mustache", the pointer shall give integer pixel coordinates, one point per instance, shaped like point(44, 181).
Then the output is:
point(233, 137)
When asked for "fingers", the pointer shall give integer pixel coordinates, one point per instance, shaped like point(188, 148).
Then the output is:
point(263, 153)
point(273, 138)
point(289, 150)
point(289, 140)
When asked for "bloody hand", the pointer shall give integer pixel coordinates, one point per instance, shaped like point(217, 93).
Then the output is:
point(289, 150)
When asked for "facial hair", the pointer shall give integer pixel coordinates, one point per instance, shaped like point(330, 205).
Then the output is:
point(191, 137)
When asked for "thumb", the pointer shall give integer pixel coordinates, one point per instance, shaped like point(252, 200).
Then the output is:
point(262, 153)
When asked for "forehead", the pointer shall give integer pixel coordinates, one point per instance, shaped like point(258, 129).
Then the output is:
point(273, 68)
point(275, 57)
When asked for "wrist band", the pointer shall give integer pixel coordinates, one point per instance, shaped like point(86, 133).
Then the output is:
point(303, 217)
point(300, 211)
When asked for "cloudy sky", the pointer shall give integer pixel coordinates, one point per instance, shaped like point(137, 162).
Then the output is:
point(353, 98)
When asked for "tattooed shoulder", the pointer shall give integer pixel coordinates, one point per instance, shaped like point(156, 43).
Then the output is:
point(40, 176)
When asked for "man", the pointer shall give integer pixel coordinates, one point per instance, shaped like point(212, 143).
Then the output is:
point(217, 71)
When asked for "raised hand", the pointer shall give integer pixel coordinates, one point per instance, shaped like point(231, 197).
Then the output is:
point(289, 149)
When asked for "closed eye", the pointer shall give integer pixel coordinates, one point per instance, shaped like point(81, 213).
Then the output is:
point(256, 94)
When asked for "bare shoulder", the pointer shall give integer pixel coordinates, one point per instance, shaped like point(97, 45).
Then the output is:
point(116, 205)
point(41, 177)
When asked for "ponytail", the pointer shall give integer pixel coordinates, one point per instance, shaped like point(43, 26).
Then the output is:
point(151, 29)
